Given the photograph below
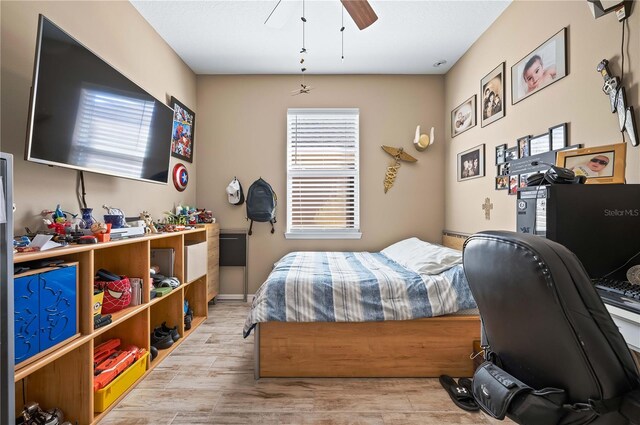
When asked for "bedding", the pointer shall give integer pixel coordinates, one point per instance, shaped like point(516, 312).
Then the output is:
point(357, 287)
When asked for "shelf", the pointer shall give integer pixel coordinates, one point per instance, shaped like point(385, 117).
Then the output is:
point(28, 369)
point(157, 300)
point(63, 376)
point(195, 322)
point(119, 317)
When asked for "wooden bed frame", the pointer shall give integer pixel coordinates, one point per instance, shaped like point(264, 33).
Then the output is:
point(406, 348)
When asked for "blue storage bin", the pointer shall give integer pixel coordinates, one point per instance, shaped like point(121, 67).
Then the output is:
point(46, 310)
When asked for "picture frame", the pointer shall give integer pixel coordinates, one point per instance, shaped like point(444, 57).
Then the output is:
point(492, 92)
point(558, 136)
point(503, 169)
point(500, 154)
point(539, 144)
point(513, 184)
point(502, 182)
point(182, 131)
point(523, 147)
point(511, 153)
point(463, 117)
point(600, 164)
point(471, 163)
point(545, 65)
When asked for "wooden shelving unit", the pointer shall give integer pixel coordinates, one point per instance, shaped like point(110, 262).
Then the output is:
point(64, 377)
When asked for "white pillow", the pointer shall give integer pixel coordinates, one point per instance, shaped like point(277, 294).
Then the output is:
point(423, 257)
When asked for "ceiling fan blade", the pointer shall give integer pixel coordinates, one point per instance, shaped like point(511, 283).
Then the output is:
point(361, 12)
point(274, 9)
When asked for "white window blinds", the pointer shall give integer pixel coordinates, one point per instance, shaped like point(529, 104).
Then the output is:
point(323, 173)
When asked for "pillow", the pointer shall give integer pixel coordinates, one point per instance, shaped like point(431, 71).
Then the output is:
point(423, 257)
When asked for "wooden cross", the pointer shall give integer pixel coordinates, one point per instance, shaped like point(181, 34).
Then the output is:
point(487, 207)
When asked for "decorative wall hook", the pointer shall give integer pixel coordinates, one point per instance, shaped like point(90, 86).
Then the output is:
point(398, 155)
point(422, 141)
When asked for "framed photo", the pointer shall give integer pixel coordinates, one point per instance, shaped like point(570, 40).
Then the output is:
point(500, 154)
point(523, 147)
point(601, 164)
point(539, 144)
point(502, 182)
point(523, 179)
point(513, 185)
point(471, 163)
point(184, 125)
point(558, 135)
point(463, 117)
point(492, 107)
point(503, 169)
point(542, 67)
point(511, 153)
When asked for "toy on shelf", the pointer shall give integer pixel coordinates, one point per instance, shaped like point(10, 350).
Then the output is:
point(148, 222)
point(59, 221)
point(115, 216)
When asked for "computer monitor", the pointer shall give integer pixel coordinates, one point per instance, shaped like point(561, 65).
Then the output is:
point(600, 223)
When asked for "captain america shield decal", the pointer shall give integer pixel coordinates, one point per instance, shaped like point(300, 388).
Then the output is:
point(180, 177)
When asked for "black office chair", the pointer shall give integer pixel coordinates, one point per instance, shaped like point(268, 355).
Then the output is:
point(555, 355)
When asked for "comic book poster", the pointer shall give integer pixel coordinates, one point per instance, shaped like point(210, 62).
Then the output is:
point(184, 123)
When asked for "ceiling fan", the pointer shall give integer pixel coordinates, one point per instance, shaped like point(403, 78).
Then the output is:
point(360, 11)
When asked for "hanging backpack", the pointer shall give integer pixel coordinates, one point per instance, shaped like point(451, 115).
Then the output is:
point(261, 203)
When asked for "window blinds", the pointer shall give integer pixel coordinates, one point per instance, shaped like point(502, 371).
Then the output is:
point(323, 171)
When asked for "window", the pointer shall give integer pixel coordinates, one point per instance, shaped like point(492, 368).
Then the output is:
point(323, 186)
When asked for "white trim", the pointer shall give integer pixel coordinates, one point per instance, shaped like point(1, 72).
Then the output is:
point(325, 234)
point(234, 297)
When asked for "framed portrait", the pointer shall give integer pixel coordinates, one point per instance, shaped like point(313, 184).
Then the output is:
point(513, 185)
point(511, 153)
point(523, 179)
point(523, 147)
point(492, 106)
point(502, 182)
point(184, 125)
point(601, 164)
point(500, 153)
point(463, 117)
point(545, 65)
point(539, 144)
point(558, 136)
point(471, 163)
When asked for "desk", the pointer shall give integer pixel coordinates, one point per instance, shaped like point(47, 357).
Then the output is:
point(629, 325)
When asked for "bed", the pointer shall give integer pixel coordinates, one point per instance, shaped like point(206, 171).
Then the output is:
point(361, 314)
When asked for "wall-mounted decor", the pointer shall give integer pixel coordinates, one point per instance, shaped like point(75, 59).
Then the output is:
point(180, 177)
point(463, 117)
point(539, 144)
point(398, 155)
point(502, 182)
point(511, 153)
point(184, 125)
point(500, 153)
point(558, 135)
point(471, 163)
point(503, 169)
point(523, 147)
point(513, 185)
point(601, 164)
point(492, 92)
point(618, 100)
point(543, 66)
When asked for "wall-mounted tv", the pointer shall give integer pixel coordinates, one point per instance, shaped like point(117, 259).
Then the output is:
point(86, 115)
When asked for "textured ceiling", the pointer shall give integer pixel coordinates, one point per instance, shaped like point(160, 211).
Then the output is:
point(230, 37)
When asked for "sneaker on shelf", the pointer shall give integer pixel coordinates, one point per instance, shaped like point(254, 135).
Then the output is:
point(175, 335)
point(160, 339)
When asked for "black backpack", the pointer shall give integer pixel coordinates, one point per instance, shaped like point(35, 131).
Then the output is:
point(261, 203)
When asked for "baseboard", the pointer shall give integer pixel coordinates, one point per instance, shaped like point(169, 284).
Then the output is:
point(233, 297)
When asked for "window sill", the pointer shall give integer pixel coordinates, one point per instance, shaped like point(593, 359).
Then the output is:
point(323, 235)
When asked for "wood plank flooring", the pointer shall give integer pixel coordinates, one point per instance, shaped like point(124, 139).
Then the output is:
point(209, 380)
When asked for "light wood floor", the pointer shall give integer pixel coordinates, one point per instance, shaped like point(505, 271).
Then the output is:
point(209, 380)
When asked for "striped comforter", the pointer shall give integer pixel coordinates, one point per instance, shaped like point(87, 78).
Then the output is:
point(354, 287)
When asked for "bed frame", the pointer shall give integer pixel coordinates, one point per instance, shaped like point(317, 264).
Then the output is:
point(405, 348)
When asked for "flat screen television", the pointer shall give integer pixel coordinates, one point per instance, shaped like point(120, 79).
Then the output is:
point(86, 115)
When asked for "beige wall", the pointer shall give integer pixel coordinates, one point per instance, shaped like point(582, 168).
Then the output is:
point(117, 33)
point(577, 99)
point(242, 132)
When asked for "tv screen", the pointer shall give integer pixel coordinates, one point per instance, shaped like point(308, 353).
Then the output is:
point(86, 115)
